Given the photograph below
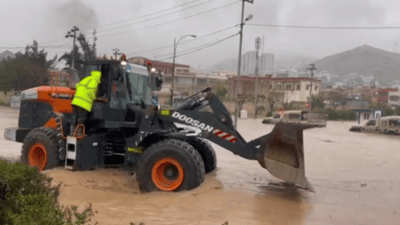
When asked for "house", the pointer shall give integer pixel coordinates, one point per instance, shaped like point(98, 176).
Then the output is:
point(383, 94)
point(285, 90)
point(394, 98)
point(367, 114)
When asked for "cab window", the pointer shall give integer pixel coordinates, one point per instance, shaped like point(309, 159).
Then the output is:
point(371, 123)
point(394, 123)
point(138, 88)
point(294, 116)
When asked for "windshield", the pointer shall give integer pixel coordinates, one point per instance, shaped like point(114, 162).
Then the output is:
point(139, 87)
point(371, 123)
point(277, 116)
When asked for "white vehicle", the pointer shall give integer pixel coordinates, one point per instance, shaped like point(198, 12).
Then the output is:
point(386, 125)
point(297, 116)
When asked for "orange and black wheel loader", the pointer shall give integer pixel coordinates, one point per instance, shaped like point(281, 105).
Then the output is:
point(125, 128)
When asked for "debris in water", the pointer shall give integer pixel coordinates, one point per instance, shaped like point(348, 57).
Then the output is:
point(363, 185)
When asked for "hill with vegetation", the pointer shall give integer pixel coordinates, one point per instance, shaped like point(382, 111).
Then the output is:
point(363, 60)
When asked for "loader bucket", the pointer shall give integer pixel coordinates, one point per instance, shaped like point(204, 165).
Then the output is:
point(282, 154)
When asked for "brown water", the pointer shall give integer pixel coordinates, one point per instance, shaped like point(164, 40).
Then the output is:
point(354, 176)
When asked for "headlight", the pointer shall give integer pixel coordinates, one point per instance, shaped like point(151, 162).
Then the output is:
point(10, 134)
point(30, 94)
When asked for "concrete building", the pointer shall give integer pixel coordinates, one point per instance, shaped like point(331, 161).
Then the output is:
point(187, 80)
point(164, 67)
point(283, 89)
point(225, 73)
point(363, 115)
point(394, 98)
point(383, 94)
point(395, 84)
point(267, 63)
point(248, 64)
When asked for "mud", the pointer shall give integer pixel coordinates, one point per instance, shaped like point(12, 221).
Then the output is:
point(354, 176)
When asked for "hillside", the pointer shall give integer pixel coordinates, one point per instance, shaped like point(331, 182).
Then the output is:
point(363, 60)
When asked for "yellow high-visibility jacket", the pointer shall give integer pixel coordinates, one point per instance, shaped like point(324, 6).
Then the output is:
point(86, 91)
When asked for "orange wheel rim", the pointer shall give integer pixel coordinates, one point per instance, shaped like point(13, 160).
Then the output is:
point(167, 174)
point(37, 156)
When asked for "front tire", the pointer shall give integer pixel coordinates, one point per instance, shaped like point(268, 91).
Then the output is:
point(40, 149)
point(170, 165)
point(207, 153)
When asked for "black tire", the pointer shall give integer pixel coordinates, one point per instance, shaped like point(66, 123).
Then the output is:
point(390, 132)
point(207, 153)
point(46, 139)
point(183, 153)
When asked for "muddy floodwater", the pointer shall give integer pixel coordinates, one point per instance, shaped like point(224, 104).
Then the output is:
point(354, 176)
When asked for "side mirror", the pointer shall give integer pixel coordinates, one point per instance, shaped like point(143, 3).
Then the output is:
point(159, 82)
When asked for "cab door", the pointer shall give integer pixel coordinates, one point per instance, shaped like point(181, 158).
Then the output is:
point(369, 127)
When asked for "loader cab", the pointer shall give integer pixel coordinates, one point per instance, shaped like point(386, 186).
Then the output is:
point(121, 83)
point(124, 86)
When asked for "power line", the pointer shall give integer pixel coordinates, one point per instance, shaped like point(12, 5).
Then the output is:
point(171, 21)
point(127, 20)
point(141, 21)
point(322, 27)
point(189, 40)
point(196, 50)
point(189, 49)
point(156, 25)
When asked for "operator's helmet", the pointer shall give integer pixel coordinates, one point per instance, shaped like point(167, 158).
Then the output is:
point(74, 76)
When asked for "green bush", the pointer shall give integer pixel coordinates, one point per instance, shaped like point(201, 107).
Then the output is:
point(4, 104)
point(27, 197)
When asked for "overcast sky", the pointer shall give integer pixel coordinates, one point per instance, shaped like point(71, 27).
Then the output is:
point(47, 21)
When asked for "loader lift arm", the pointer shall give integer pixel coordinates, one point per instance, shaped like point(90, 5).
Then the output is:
point(280, 152)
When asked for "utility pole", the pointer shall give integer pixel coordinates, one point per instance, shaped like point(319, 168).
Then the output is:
point(173, 74)
point(311, 68)
point(72, 33)
point(173, 64)
point(258, 45)
point(249, 17)
point(116, 53)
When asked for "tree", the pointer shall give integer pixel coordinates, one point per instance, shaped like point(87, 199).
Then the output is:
point(67, 57)
point(272, 99)
point(88, 51)
point(317, 101)
point(221, 92)
point(220, 89)
point(28, 69)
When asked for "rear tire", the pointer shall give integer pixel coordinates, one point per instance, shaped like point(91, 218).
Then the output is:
point(40, 149)
point(170, 165)
point(390, 132)
point(207, 153)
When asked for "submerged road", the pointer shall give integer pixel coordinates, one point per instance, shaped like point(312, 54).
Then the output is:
point(354, 176)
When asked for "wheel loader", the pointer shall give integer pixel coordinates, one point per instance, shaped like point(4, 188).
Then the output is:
point(125, 128)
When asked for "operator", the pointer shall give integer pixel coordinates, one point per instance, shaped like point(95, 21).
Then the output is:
point(86, 91)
